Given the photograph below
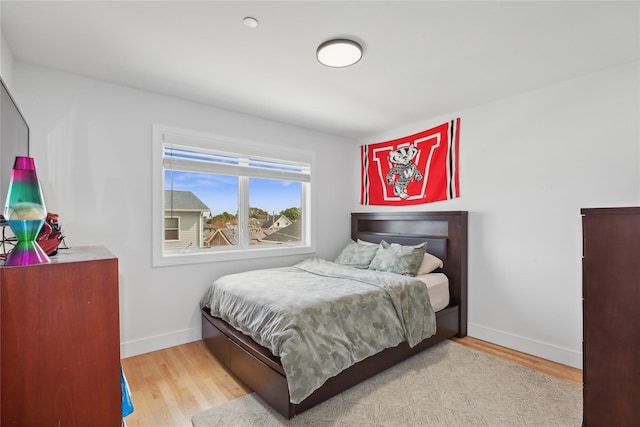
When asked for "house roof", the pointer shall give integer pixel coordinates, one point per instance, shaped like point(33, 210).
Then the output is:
point(267, 222)
point(232, 237)
point(271, 220)
point(183, 201)
point(289, 233)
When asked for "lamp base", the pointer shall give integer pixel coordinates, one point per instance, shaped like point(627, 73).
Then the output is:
point(26, 252)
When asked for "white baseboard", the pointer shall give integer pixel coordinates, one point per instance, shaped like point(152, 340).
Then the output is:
point(159, 342)
point(541, 349)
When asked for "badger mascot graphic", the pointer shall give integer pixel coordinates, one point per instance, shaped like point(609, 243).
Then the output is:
point(404, 170)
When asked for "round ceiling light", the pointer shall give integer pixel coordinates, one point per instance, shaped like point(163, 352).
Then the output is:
point(339, 53)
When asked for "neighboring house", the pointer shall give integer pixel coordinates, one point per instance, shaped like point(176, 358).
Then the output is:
point(273, 222)
point(260, 232)
point(222, 236)
point(229, 236)
point(291, 233)
point(183, 221)
point(257, 236)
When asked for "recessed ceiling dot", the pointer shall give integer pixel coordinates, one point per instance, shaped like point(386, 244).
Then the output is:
point(250, 22)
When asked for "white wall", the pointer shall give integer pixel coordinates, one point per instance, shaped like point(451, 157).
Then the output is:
point(6, 62)
point(92, 145)
point(527, 166)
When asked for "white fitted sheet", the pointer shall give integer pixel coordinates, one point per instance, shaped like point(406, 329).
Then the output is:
point(438, 286)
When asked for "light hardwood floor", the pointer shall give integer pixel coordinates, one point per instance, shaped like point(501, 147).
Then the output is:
point(169, 386)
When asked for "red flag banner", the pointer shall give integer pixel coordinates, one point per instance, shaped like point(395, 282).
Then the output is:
point(415, 169)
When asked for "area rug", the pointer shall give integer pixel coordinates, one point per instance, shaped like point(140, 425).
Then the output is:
point(446, 385)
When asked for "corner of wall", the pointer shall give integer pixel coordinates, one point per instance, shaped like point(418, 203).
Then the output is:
point(6, 61)
point(159, 342)
point(563, 355)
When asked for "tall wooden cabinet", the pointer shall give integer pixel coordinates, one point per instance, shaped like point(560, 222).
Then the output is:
point(60, 341)
point(611, 316)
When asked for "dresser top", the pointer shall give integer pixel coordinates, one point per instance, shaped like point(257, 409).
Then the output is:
point(75, 254)
point(631, 210)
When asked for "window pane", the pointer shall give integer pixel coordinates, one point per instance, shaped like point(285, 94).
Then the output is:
point(275, 213)
point(171, 223)
point(207, 205)
point(171, 234)
point(171, 229)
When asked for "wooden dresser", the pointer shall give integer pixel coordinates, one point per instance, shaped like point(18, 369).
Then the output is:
point(611, 316)
point(60, 342)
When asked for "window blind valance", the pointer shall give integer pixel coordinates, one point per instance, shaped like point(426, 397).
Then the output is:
point(209, 161)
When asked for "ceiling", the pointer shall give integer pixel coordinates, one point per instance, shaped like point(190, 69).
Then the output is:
point(422, 59)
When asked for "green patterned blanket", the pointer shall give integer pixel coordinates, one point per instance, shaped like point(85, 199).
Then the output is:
point(321, 317)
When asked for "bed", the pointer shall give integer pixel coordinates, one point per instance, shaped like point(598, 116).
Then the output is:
point(255, 365)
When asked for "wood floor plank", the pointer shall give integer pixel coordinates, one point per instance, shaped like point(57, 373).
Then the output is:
point(169, 386)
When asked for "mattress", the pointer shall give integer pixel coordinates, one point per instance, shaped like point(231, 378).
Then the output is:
point(438, 287)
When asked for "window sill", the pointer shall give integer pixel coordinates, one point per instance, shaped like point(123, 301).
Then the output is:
point(196, 256)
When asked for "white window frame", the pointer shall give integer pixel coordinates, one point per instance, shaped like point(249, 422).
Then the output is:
point(164, 134)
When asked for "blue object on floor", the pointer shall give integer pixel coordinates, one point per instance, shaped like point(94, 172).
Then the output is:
point(127, 404)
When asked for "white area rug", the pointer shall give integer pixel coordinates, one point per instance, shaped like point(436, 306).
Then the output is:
point(447, 385)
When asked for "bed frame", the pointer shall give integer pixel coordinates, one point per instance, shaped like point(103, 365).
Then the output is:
point(446, 237)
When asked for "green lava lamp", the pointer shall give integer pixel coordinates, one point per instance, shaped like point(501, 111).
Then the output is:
point(25, 212)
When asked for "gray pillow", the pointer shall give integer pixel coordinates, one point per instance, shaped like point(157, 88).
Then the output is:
point(398, 259)
point(429, 264)
point(356, 255)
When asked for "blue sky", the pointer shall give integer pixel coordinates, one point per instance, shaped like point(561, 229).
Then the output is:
point(220, 192)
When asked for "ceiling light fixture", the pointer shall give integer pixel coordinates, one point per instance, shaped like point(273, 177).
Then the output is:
point(339, 53)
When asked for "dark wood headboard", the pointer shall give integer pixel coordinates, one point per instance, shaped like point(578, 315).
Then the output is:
point(444, 232)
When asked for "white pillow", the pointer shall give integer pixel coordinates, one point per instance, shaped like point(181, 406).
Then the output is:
point(429, 263)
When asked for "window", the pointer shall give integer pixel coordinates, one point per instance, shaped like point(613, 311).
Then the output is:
point(171, 229)
point(218, 199)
